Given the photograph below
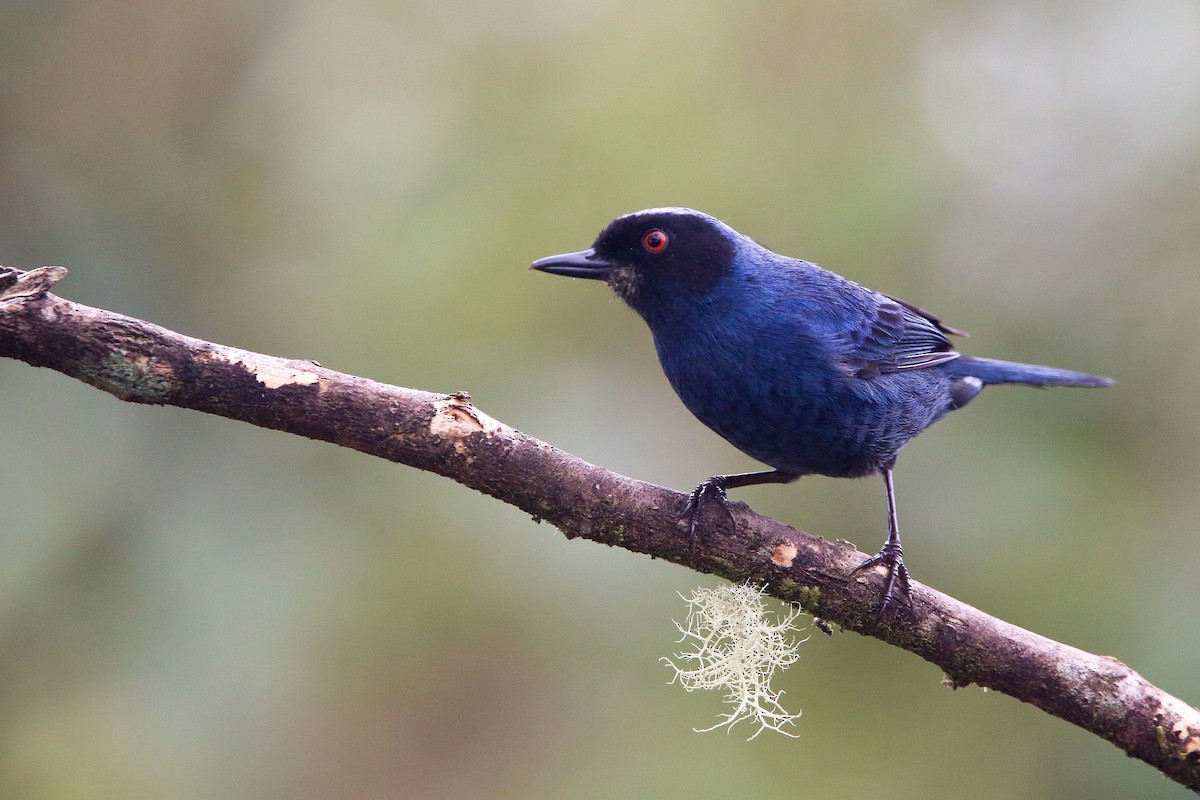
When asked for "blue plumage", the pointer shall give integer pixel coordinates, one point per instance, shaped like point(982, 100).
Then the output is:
point(794, 365)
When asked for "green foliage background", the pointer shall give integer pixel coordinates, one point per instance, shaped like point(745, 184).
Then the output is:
point(191, 607)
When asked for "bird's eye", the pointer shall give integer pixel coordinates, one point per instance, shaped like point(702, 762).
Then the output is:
point(655, 241)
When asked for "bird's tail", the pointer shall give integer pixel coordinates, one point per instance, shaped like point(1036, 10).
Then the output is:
point(991, 371)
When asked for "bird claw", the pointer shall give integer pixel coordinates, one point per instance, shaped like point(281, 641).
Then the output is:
point(711, 489)
point(892, 556)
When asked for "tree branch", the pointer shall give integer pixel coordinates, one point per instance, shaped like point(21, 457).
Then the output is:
point(445, 434)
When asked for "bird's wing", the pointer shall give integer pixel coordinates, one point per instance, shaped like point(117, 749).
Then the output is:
point(897, 336)
point(936, 320)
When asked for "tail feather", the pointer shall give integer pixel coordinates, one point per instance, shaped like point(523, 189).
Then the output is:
point(990, 370)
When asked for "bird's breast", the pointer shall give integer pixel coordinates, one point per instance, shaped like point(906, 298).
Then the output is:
point(784, 400)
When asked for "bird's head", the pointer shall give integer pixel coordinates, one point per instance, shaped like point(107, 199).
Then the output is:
point(654, 257)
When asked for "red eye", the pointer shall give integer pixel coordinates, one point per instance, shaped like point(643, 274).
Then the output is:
point(655, 241)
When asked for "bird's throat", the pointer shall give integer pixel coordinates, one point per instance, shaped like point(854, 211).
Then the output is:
point(625, 284)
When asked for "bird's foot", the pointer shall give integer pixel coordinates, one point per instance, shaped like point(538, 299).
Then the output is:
point(896, 592)
point(711, 489)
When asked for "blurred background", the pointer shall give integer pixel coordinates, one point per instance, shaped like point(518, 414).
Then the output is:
point(191, 607)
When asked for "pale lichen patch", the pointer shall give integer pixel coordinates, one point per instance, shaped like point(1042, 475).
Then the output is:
point(273, 376)
point(454, 418)
point(783, 554)
point(270, 372)
point(1186, 729)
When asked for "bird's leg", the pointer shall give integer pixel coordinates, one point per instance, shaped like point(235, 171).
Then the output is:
point(714, 489)
point(891, 554)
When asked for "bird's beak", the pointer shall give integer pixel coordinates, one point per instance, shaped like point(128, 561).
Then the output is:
point(584, 264)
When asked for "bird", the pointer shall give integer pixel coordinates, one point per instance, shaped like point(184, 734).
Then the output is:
point(799, 368)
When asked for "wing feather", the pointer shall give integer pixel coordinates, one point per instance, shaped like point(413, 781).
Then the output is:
point(898, 336)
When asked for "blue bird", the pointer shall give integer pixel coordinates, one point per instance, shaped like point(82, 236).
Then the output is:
point(794, 365)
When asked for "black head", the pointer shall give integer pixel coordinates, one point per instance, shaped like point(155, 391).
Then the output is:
point(650, 253)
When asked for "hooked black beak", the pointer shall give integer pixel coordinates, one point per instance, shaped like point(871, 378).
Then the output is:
point(584, 264)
